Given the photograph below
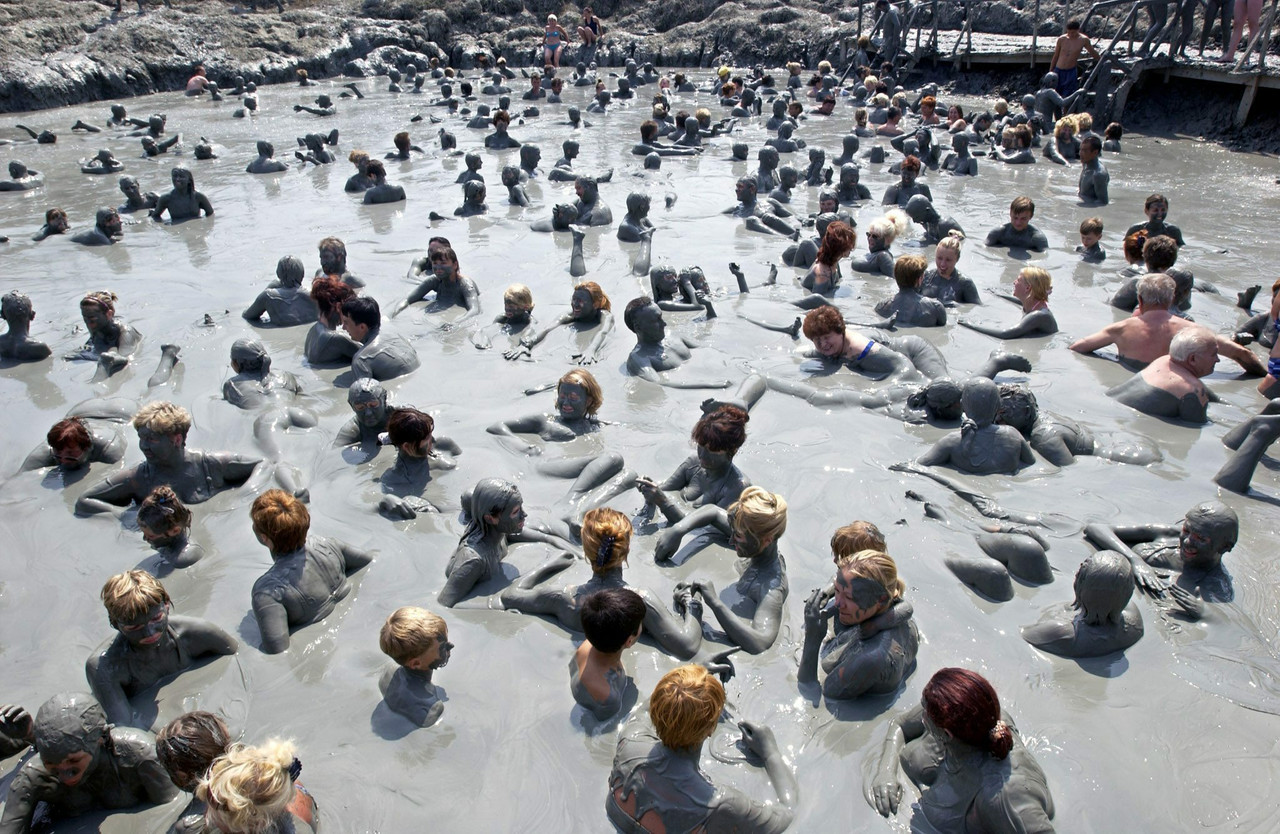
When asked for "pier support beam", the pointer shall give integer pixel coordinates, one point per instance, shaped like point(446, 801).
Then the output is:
point(1246, 101)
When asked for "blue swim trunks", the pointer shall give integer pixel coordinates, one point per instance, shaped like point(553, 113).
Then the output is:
point(1068, 81)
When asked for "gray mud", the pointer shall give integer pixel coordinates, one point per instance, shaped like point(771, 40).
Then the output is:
point(1177, 734)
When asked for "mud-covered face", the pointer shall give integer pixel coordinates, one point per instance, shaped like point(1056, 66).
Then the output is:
point(649, 323)
point(95, 317)
point(146, 629)
point(745, 191)
point(72, 457)
point(370, 412)
point(1020, 221)
point(511, 520)
point(909, 175)
point(161, 537)
point(111, 224)
point(859, 598)
point(581, 304)
point(160, 448)
point(1157, 211)
point(746, 544)
point(182, 180)
point(71, 770)
point(572, 401)
point(435, 657)
point(443, 267)
point(1197, 544)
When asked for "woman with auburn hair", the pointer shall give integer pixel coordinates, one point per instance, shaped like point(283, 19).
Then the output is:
point(253, 790)
point(589, 309)
point(875, 641)
point(966, 757)
point(823, 278)
point(1030, 290)
point(307, 577)
point(656, 784)
point(707, 477)
point(606, 542)
point(326, 342)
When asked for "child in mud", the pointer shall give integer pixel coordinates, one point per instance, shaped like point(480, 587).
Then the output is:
point(418, 641)
point(612, 619)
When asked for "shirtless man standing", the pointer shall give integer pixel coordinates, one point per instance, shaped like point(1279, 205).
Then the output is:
point(1066, 58)
point(1145, 337)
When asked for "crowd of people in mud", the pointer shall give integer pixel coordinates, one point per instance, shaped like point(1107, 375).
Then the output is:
point(958, 747)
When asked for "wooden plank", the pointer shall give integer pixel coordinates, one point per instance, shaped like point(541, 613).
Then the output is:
point(1246, 102)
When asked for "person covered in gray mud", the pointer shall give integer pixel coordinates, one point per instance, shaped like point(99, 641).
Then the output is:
point(515, 318)
point(1146, 336)
point(381, 356)
point(500, 140)
point(1094, 179)
point(908, 185)
point(589, 309)
point(474, 163)
point(1101, 620)
point(1159, 254)
point(848, 189)
point(111, 341)
point(360, 181)
point(684, 291)
point(920, 209)
point(656, 782)
point(474, 194)
point(1156, 207)
point(284, 301)
point(194, 475)
point(493, 511)
point(908, 307)
point(753, 524)
point(563, 217)
point(411, 433)
point(381, 191)
point(44, 137)
point(783, 143)
point(183, 202)
point(55, 223)
point(1090, 248)
point(1050, 104)
point(121, 118)
point(418, 641)
point(981, 447)
point(909, 359)
point(708, 477)
point(451, 287)
point(612, 621)
point(1179, 562)
point(516, 194)
point(84, 763)
point(1060, 440)
point(1016, 147)
point(134, 198)
point(1111, 137)
point(21, 178)
point(803, 253)
point(165, 524)
point(958, 160)
point(104, 162)
point(1250, 440)
point(592, 211)
point(1018, 233)
point(943, 280)
point(601, 102)
point(254, 384)
point(91, 432)
point(636, 224)
point(308, 577)
point(266, 163)
point(325, 343)
point(150, 643)
point(368, 401)
point(755, 216)
point(324, 106)
point(404, 146)
point(1031, 291)
point(881, 233)
point(107, 229)
point(966, 757)
point(316, 153)
point(875, 639)
point(819, 173)
point(562, 171)
point(150, 147)
point(16, 342)
point(1063, 146)
point(649, 143)
point(654, 356)
point(1170, 385)
point(788, 179)
point(606, 543)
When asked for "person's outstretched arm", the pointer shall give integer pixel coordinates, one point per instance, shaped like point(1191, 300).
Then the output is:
point(754, 635)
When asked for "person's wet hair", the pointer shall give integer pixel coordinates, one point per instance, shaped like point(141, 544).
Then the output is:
point(964, 704)
point(722, 430)
point(409, 426)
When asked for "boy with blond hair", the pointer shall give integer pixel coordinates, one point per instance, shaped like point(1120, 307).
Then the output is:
point(150, 644)
point(418, 641)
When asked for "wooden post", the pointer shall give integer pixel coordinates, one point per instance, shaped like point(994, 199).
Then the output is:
point(1246, 101)
point(860, 18)
point(1035, 33)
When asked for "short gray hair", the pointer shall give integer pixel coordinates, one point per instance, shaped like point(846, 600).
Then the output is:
point(1155, 290)
point(1190, 340)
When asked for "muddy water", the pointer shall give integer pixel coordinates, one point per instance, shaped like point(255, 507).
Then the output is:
point(1177, 734)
